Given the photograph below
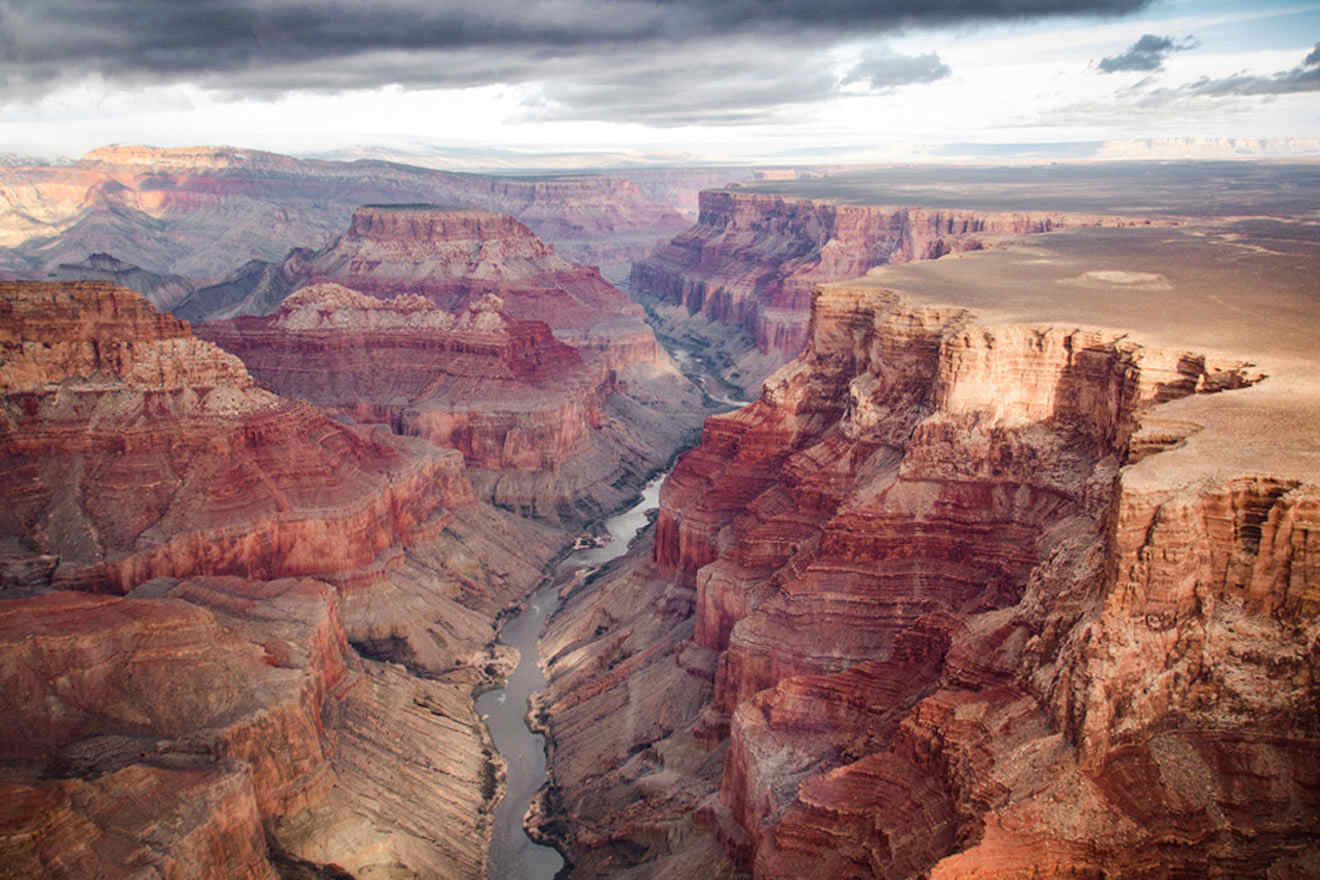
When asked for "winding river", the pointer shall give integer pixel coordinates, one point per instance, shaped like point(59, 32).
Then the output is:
point(513, 854)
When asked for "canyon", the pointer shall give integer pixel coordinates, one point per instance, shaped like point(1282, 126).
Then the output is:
point(259, 627)
point(974, 589)
point(1009, 570)
point(200, 212)
point(464, 328)
point(752, 260)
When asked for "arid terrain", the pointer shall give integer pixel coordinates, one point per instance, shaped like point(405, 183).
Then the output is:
point(1009, 568)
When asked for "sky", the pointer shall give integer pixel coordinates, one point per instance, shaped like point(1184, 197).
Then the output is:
point(749, 80)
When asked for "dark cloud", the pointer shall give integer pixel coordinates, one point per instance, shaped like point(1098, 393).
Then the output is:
point(164, 40)
point(1147, 53)
point(734, 82)
point(884, 70)
point(1303, 78)
point(661, 62)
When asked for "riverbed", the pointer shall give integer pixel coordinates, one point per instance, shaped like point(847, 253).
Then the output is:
point(513, 854)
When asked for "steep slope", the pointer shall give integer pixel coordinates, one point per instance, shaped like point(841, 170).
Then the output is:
point(752, 260)
point(200, 211)
point(221, 726)
point(450, 257)
point(964, 596)
point(110, 409)
point(505, 393)
point(162, 291)
point(464, 328)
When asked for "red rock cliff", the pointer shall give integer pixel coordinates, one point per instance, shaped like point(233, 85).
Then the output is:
point(134, 450)
point(955, 638)
point(505, 393)
point(464, 328)
point(205, 726)
point(752, 259)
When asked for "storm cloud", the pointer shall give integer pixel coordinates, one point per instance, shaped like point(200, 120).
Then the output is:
point(42, 40)
point(1303, 78)
point(884, 70)
point(1146, 54)
point(664, 62)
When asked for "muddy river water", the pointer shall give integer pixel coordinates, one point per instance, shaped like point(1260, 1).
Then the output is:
point(513, 853)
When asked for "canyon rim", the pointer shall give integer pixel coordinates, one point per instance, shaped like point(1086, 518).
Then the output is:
point(660, 439)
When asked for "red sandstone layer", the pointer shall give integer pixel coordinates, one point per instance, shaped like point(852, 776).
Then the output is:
point(455, 257)
point(908, 590)
point(978, 600)
point(218, 726)
point(465, 329)
point(134, 450)
point(752, 260)
point(505, 393)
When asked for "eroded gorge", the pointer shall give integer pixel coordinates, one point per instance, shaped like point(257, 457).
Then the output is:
point(1009, 569)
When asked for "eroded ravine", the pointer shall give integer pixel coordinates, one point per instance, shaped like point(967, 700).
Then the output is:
point(513, 853)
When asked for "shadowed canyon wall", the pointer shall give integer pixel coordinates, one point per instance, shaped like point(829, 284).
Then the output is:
point(954, 599)
point(752, 259)
point(213, 720)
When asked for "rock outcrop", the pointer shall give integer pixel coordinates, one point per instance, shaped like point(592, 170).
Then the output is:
point(968, 598)
point(752, 259)
point(110, 409)
point(201, 211)
point(464, 328)
point(505, 393)
point(452, 258)
point(213, 720)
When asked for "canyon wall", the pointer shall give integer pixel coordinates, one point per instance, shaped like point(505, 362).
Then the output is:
point(283, 686)
point(110, 407)
point(960, 598)
point(201, 211)
point(505, 393)
point(752, 259)
point(452, 258)
point(464, 328)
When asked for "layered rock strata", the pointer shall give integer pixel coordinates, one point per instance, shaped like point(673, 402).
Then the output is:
point(452, 258)
point(203, 725)
point(752, 260)
point(135, 450)
point(969, 599)
point(505, 393)
point(464, 328)
point(200, 211)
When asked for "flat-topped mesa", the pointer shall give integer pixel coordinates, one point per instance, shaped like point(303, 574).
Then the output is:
point(906, 554)
point(453, 258)
point(505, 393)
point(752, 259)
point(882, 374)
point(187, 158)
point(133, 450)
point(446, 235)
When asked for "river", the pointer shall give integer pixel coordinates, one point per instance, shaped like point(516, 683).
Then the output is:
point(513, 854)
